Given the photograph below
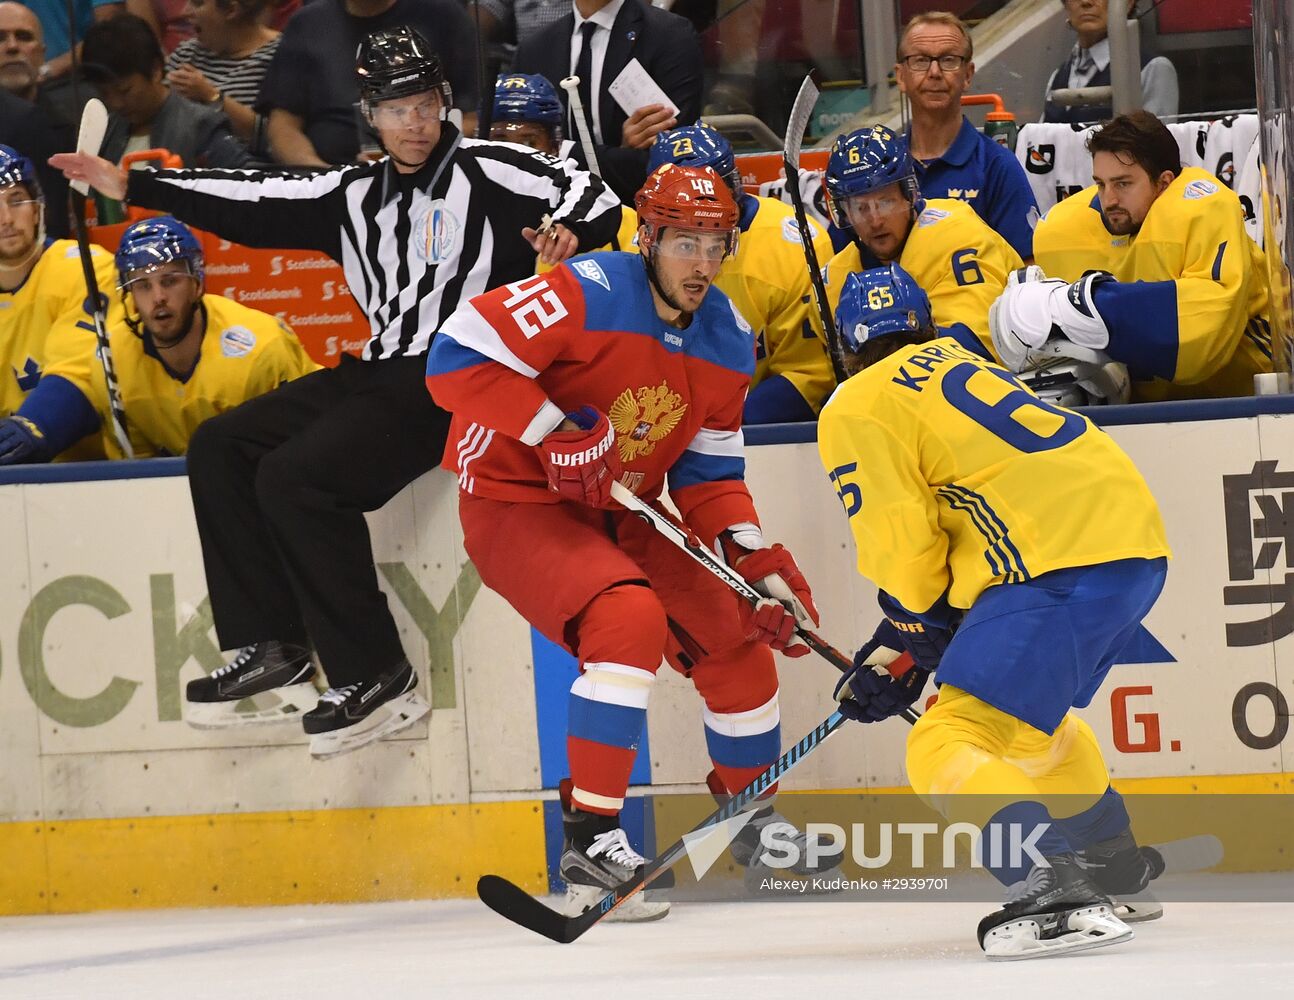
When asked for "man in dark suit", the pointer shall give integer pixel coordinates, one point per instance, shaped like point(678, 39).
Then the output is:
point(597, 40)
point(26, 127)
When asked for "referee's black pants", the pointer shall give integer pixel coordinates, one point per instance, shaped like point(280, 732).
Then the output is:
point(280, 485)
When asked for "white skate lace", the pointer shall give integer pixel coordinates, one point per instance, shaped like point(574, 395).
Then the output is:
point(616, 847)
point(335, 696)
point(241, 659)
point(1029, 884)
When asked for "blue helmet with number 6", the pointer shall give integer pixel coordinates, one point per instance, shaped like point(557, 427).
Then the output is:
point(697, 146)
point(865, 161)
point(152, 242)
point(880, 302)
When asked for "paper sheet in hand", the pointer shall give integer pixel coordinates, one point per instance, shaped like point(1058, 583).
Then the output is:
point(634, 88)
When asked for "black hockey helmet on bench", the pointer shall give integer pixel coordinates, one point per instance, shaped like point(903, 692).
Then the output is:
point(398, 62)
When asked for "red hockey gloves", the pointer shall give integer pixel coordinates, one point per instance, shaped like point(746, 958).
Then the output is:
point(883, 682)
point(788, 601)
point(582, 464)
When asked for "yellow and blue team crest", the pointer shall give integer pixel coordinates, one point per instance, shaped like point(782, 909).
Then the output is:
point(644, 417)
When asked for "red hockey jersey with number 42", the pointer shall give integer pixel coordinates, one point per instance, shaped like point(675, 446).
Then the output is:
point(510, 363)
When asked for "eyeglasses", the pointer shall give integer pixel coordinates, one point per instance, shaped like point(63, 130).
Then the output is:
point(921, 63)
point(398, 117)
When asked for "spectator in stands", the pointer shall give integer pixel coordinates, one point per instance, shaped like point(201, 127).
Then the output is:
point(53, 22)
point(169, 20)
point(528, 111)
point(596, 41)
point(24, 72)
point(1088, 65)
point(953, 160)
point(310, 99)
point(181, 357)
point(225, 62)
point(124, 58)
point(32, 117)
point(40, 281)
point(510, 21)
point(1187, 308)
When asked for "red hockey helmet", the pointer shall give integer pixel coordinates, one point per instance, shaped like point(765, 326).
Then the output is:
point(693, 198)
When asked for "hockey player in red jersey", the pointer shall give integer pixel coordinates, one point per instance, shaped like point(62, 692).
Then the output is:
point(628, 367)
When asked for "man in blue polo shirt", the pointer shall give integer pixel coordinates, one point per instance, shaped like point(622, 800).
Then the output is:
point(953, 159)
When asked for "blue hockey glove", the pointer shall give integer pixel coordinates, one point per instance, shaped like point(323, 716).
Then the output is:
point(884, 680)
point(20, 441)
point(925, 642)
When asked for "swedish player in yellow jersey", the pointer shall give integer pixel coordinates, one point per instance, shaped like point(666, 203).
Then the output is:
point(960, 263)
point(181, 357)
point(527, 111)
point(1016, 548)
point(1189, 309)
point(768, 281)
point(40, 282)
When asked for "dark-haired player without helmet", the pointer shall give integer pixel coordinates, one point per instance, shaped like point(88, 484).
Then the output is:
point(280, 485)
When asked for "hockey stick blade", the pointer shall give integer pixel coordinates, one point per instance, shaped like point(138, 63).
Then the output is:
point(511, 901)
point(89, 139)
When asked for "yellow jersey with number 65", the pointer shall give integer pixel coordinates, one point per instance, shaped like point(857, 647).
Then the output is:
point(244, 354)
point(55, 289)
point(956, 478)
point(954, 256)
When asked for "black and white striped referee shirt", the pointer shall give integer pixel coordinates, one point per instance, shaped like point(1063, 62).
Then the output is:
point(412, 247)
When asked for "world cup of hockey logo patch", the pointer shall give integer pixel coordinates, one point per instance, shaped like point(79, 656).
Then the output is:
point(644, 417)
point(437, 233)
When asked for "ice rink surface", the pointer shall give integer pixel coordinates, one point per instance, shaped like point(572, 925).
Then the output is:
point(459, 949)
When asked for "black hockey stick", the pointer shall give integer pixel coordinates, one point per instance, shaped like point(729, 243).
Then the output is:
point(94, 123)
point(690, 544)
point(795, 127)
point(510, 900)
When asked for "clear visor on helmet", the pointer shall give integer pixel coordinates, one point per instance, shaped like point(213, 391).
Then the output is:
point(390, 114)
point(17, 197)
point(536, 135)
point(859, 209)
point(696, 244)
point(162, 275)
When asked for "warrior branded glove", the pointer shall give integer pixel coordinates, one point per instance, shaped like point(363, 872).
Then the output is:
point(788, 600)
point(582, 464)
point(883, 681)
point(21, 441)
point(1033, 310)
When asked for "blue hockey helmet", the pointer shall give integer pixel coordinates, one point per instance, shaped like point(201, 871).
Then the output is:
point(697, 146)
point(153, 242)
point(18, 169)
point(526, 97)
point(879, 302)
point(865, 161)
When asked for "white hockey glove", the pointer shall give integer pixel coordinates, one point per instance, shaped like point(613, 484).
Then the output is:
point(1067, 382)
point(1030, 312)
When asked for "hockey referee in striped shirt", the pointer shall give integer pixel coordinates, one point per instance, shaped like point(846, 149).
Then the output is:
point(280, 484)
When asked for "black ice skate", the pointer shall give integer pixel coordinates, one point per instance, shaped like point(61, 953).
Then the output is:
point(1055, 911)
point(596, 857)
point(350, 717)
point(1123, 871)
point(748, 849)
point(264, 682)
